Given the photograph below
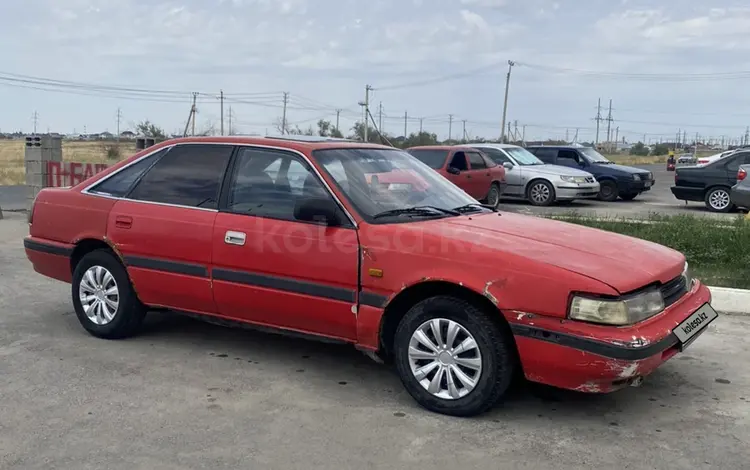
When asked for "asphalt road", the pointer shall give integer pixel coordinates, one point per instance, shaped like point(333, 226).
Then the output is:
point(186, 394)
point(658, 200)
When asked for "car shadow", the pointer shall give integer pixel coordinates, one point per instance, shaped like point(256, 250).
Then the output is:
point(343, 365)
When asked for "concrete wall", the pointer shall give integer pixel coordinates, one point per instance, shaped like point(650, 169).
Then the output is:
point(39, 151)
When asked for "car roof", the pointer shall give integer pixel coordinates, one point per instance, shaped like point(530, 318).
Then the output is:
point(556, 147)
point(294, 142)
point(433, 147)
point(491, 145)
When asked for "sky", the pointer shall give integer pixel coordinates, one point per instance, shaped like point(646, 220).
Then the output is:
point(667, 65)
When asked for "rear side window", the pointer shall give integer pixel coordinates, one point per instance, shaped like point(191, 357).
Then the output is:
point(432, 158)
point(120, 183)
point(188, 175)
point(545, 155)
point(476, 160)
point(497, 155)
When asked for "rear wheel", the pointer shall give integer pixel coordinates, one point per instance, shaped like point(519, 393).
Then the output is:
point(104, 300)
point(493, 197)
point(608, 191)
point(451, 358)
point(718, 200)
point(541, 193)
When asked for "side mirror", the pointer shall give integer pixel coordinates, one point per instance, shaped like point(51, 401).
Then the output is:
point(508, 165)
point(319, 210)
point(453, 170)
point(582, 163)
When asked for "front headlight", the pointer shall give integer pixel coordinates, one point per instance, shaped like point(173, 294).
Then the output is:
point(573, 179)
point(625, 311)
point(637, 177)
point(688, 276)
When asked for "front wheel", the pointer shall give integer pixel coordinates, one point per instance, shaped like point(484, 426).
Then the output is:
point(718, 200)
point(104, 300)
point(451, 358)
point(608, 191)
point(541, 193)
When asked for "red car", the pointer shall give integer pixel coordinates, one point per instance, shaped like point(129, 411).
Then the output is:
point(288, 234)
point(469, 169)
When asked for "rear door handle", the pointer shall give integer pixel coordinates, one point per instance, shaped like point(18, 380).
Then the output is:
point(235, 238)
point(123, 221)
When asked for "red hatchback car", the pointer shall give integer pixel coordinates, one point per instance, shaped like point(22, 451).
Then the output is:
point(289, 234)
point(469, 169)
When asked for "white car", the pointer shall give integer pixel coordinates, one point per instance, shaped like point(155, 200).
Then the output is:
point(531, 179)
point(714, 157)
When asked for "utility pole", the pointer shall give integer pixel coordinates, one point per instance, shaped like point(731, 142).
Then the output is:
point(505, 103)
point(515, 130)
point(464, 133)
point(523, 138)
point(420, 124)
point(35, 117)
point(367, 109)
point(231, 131)
point(508, 135)
point(338, 115)
point(567, 137)
point(406, 116)
point(450, 127)
point(747, 135)
point(617, 135)
point(194, 110)
point(598, 119)
point(221, 99)
point(684, 138)
point(283, 113)
point(119, 116)
point(380, 117)
point(609, 127)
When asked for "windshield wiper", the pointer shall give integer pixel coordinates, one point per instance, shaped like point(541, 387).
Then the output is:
point(417, 210)
point(472, 207)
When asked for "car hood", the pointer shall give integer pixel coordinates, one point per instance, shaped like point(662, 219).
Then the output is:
point(555, 170)
point(620, 168)
point(624, 263)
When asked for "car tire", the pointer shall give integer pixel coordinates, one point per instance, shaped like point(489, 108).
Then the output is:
point(718, 200)
point(103, 297)
point(628, 196)
point(608, 191)
point(493, 195)
point(540, 193)
point(492, 369)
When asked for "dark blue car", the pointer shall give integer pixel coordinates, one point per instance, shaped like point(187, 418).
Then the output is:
point(615, 180)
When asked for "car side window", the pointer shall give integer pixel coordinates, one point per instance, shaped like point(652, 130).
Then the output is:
point(188, 175)
point(270, 183)
point(488, 161)
point(496, 155)
point(568, 158)
point(119, 184)
point(733, 163)
point(476, 161)
point(545, 155)
point(459, 161)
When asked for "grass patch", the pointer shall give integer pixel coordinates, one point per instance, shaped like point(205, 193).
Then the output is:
point(718, 251)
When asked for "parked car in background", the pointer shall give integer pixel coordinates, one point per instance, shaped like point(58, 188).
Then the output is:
point(469, 169)
point(714, 157)
point(614, 180)
point(529, 178)
point(445, 290)
point(710, 183)
point(740, 193)
point(686, 159)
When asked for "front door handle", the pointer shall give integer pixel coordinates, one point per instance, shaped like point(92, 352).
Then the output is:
point(235, 238)
point(123, 221)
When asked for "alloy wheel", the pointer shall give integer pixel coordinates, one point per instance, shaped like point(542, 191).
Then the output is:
point(99, 295)
point(719, 200)
point(445, 358)
point(539, 193)
point(494, 196)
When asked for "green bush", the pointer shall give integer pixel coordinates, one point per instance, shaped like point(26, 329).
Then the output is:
point(718, 250)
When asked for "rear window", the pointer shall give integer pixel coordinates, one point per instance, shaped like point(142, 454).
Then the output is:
point(432, 158)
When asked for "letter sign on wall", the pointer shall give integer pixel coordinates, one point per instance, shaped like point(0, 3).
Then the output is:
point(60, 174)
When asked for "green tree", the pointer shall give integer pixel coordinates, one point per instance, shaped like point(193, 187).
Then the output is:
point(661, 149)
point(639, 149)
point(149, 129)
point(326, 129)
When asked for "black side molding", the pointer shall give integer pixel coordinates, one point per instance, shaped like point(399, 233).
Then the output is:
point(372, 299)
point(175, 267)
point(284, 284)
point(593, 346)
point(45, 248)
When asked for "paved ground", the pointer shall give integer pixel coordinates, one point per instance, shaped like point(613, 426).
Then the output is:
point(12, 198)
point(186, 394)
point(659, 200)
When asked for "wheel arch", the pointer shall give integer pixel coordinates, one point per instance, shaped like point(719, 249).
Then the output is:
point(398, 306)
point(87, 245)
point(536, 179)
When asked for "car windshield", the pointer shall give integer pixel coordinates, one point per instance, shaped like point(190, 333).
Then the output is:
point(391, 185)
point(434, 158)
point(523, 156)
point(593, 156)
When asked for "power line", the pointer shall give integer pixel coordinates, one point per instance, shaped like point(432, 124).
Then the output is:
point(670, 76)
point(440, 79)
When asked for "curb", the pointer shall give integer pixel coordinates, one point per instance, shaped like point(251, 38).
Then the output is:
point(733, 301)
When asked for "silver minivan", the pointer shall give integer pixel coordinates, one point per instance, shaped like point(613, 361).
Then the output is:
point(541, 184)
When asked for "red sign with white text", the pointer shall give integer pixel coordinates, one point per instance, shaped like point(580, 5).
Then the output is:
point(71, 173)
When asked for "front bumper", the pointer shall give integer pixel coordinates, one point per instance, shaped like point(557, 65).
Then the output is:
point(596, 358)
point(570, 191)
point(632, 186)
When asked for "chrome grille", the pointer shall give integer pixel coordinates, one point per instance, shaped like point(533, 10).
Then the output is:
point(590, 179)
point(673, 290)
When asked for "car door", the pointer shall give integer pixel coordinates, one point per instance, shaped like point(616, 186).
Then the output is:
point(457, 169)
point(569, 158)
point(478, 174)
point(269, 267)
point(163, 228)
point(513, 175)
